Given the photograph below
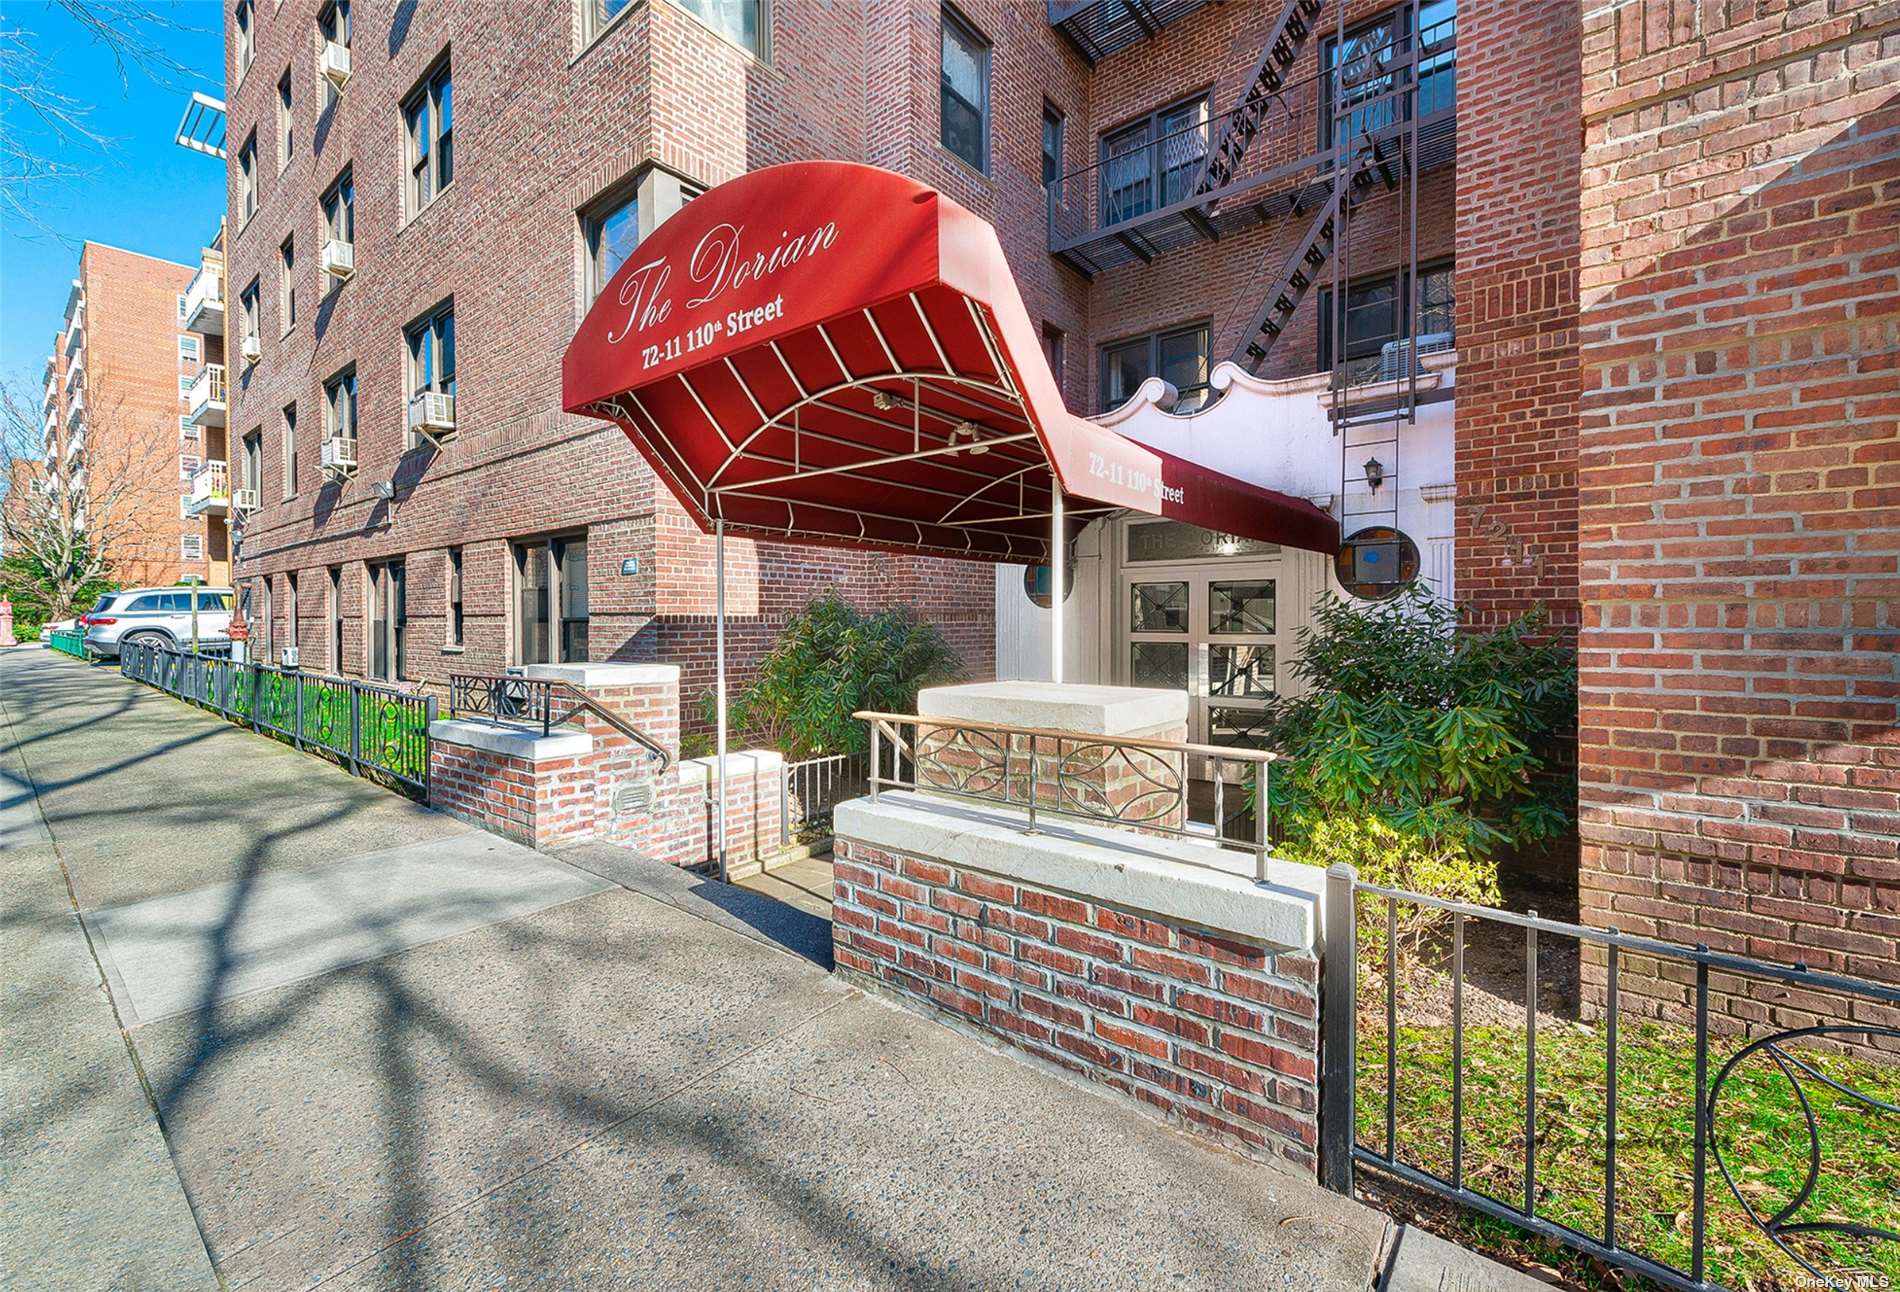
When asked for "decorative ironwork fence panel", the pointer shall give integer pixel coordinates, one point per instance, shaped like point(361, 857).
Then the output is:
point(68, 641)
point(1712, 1121)
point(809, 790)
point(365, 727)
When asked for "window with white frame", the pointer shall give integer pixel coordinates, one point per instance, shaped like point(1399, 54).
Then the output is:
point(612, 231)
point(339, 406)
point(247, 312)
point(245, 20)
point(286, 132)
point(1178, 356)
point(188, 349)
point(247, 180)
point(191, 547)
point(965, 97)
point(287, 284)
point(429, 354)
point(428, 116)
point(333, 28)
point(187, 429)
point(600, 14)
point(290, 450)
point(184, 384)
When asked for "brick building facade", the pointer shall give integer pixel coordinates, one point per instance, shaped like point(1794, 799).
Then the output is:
point(650, 101)
point(114, 409)
point(1740, 484)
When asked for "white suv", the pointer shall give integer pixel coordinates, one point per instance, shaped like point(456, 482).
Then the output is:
point(156, 617)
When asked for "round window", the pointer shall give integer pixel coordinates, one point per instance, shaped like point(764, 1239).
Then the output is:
point(1376, 563)
point(1036, 583)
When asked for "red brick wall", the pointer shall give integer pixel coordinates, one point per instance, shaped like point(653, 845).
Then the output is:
point(132, 406)
point(1740, 480)
point(1212, 1031)
point(1516, 286)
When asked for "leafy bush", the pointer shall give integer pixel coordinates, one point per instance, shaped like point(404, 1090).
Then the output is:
point(1389, 859)
point(1442, 734)
point(830, 661)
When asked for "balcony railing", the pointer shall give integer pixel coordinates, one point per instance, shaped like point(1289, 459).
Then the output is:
point(204, 300)
point(1150, 199)
point(207, 396)
point(210, 489)
point(76, 333)
point(1098, 28)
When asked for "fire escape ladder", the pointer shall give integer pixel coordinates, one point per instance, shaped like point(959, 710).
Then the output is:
point(1279, 54)
point(1378, 161)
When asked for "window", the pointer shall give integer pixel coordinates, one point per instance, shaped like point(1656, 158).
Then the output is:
point(600, 13)
point(965, 97)
point(1178, 356)
point(336, 619)
point(270, 646)
point(388, 621)
point(1154, 161)
point(339, 406)
point(187, 429)
point(184, 385)
point(455, 596)
point(1377, 315)
point(1386, 43)
point(333, 22)
point(188, 351)
point(431, 349)
point(247, 312)
point(182, 305)
point(1054, 343)
point(247, 179)
point(290, 450)
point(287, 284)
point(428, 122)
point(246, 17)
point(612, 232)
point(286, 143)
point(1051, 144)
point(251, 465)
point(551, 601)
point(339, 209)
point(187, 464)
point(290, 609)
point(745, 22)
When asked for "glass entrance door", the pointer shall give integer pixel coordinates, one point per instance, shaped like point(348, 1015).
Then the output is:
point(1211, 633)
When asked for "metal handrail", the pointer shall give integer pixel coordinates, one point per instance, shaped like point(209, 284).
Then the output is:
point(509, 700)
point(1054, 787)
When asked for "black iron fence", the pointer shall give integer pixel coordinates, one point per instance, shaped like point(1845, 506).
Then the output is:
point(369, 729)
point(515, 701)
point(1601, 1133)
point(809, 790)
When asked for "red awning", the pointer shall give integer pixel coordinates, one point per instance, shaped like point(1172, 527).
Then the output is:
point(833, 353)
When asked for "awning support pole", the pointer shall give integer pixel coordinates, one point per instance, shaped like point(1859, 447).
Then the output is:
point(1056, 580)
point(719, 648)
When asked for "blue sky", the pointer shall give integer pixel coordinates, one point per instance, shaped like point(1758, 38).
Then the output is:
point(144, 193)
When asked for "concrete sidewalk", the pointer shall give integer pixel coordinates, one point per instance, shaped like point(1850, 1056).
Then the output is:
point(506, 1070)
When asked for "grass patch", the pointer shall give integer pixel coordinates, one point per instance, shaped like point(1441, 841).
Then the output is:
point(1759, 1128)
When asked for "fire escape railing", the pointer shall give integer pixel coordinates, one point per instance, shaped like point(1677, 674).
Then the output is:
point(1266, 158)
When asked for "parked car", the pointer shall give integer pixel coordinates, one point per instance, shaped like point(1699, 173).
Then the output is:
point(156, 617)
point(64, 625)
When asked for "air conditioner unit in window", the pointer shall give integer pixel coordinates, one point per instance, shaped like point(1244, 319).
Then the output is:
point(338, 455)
point(432, 414)
point(252, 349)
point(1396, 356)
point(334, 63)
point(244, 500)
point(337, 258)
point(289, 657)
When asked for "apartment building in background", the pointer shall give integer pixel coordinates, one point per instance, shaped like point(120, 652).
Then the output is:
point(116, 414)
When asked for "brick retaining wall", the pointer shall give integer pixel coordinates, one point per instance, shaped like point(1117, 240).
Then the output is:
point(1211, 1030)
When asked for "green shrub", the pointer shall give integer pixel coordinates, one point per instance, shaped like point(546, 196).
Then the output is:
point(1389, 859)
point(1441, 733)
point(829, 662)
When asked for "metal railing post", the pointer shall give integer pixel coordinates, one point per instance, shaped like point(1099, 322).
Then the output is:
point(297, 736)
point(429, 711)
point(784, 807)
point(1339, 976)
point(877, 746)
point(1259, 822)
point(356, 730)
point(257, 696)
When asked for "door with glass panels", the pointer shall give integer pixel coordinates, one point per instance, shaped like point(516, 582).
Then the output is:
point(1212, 634)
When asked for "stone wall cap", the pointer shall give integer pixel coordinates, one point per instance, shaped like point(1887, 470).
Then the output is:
point(1069, 706)
point(1181, 879)
point(600, 675)
point(739, 763)
point(526, 743)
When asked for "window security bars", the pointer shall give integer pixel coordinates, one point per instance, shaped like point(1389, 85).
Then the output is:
point(512, 701)
point(1834, 1018)
point(809, 790)
point(1124, 781)
point(370, 729)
